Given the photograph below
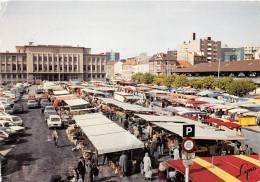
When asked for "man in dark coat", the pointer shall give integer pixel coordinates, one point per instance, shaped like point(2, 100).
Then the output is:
point(81, 168)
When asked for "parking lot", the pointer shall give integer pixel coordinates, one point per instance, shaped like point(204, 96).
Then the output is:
point(34, 157)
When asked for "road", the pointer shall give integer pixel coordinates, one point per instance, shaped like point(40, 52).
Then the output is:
point(34, 158)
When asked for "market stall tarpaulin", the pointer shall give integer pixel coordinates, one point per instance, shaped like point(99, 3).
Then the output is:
point(236, 168)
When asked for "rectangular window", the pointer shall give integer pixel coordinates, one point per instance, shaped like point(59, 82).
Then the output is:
point(13, 58)
point(103, 60)
point(103, 76)
point(60, 59)
point(102, 68)
point(70, 67)
point(19, 67)
point(93, 67)
point(50, 58)
point(34, 58)
point(45, 58)
point(65, 58)
point(40, 58)
point(24, 67)
point(3, 67)
point(70, 58)
point(89, 67)
point(50, 68)
point(98, 75)
point(84, 67)
point(40, 67)
point(75, 67)
point(14, 75)
point(19, 76)
point(55, 58)
point(75, 58)
point(89, 59)
point(98, 67)
point(98, 59)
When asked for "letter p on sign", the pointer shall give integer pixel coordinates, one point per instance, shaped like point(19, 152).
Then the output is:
point(188, 130)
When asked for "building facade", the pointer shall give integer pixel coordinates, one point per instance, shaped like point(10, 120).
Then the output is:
point(53, 63)
point(162, 64)
point(250, 51)
point(204, 46)
point(141, 66)
point(127, 68)
point(112, 56)
point(232, 54)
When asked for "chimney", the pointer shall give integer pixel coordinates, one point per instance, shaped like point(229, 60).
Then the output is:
point(30, 43)
point(193, 36)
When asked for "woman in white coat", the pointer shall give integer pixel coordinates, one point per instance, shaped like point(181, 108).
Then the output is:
point(147, 163)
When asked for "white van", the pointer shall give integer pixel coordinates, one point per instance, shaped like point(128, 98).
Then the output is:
point(14, 119)
point(54, 121)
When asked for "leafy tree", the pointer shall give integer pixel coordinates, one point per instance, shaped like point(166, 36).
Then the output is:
point(241, 87)
point(181, 81)
point(209, 82)
point(158, 80)
point(224, 82)
point(137, 77)
point(195, 83)
point(147, 78)
point(169, 80)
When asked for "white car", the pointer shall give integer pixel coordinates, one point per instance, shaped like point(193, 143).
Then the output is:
point(12, 126)
point(14, 119)
point(54, 121)
point(6, 109)
point(32, 104)
point(49, 108)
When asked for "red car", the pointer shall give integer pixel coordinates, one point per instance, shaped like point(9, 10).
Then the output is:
point(31, 97)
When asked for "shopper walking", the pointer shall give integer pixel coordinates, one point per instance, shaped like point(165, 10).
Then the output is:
point(55, 137)
point(81, 168)
point(147, 163)
point(123, 163)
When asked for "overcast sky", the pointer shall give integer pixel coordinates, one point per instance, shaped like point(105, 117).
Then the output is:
point(127, 27)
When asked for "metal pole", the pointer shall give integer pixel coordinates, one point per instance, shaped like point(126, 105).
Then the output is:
point(212, 161)
point(218, 67)
point(186, 173)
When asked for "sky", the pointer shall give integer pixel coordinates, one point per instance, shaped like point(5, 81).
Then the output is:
point(128, 27)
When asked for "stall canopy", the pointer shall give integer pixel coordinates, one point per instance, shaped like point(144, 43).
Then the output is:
point(225, 168)
point(126, 106)
point(63, 97)
point(105, 135)
point(93, 91)
point(62, 92)
point(76, 102)
point(202, 132)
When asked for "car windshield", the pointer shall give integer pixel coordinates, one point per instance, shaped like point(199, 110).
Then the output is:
point(17, 106)
point(32, 101)
point(16, 119)
point(50, 108)
point(55, 119)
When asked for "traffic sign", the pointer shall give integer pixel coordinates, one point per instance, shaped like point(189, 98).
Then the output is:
point(188, 145)
point(189, 130)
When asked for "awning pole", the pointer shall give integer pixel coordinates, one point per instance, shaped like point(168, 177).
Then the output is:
point(186, 173)
point(212, 161)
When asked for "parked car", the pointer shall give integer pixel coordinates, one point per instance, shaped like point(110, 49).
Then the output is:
point(3, 160)
point(46, 104)
point(11, 102)
point(12, 126)
point(31, 97)
point(6, 109)
point(32, 104)
point(8, 135)
point(44, 96)
point(44, 101)
point(18, 108)
point(51, 112)
point(39, 91)
point(49, 108)
point(14, 119)
point(54, 121)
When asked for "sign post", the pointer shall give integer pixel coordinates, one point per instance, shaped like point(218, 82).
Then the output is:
point(188, 146)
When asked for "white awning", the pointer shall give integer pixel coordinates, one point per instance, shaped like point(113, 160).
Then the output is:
point(105, 135)
point(76, 102)
point(62, 92)
point(207, 133)
point(93, 91)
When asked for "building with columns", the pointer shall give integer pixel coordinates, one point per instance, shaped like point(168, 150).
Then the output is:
point(53, 63)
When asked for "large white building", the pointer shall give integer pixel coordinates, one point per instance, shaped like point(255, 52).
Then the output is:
point(250, 52)
point(53, 63)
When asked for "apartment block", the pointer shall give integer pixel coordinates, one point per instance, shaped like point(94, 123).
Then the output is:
point(232, 54)
point(205, 47)
point(250, 51)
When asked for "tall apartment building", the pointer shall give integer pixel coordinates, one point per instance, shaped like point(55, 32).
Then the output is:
point(162, 64)
point(112, 56)
point(53, 63)
point(250, 51)
point(232, 54)
point(205, 47)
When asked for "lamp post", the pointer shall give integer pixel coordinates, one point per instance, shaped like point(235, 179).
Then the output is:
point(218, 67)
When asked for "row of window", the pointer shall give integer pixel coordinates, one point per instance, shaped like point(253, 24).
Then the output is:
point(94, 68)
point(55, 68)
point(14, 76)
point(13, 58)
point(95, 76)
point(44, 58)
point(13, 67)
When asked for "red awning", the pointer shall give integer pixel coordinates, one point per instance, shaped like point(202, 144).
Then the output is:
point(213, 120)
point(196, 102)
point(56, 103)
point(226, 168)
point(142, 88)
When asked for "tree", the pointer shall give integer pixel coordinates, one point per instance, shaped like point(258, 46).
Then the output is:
point(241, 87)
point(158, 80)
point(209, 82)
point(169, 80)
point(224, 82)
point(180, 81)
point(147, 78)
point(137, 77)
point(195, 83)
